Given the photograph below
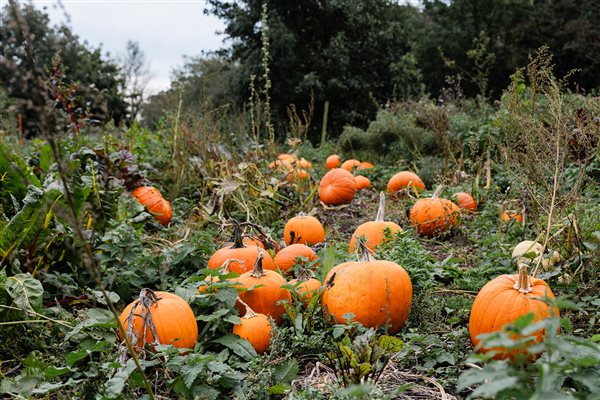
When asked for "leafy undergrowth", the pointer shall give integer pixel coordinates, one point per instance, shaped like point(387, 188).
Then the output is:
point(60, 341)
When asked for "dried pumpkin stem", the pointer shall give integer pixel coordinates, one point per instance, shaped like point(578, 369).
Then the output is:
point(523, 284)
point(381, 211)
point(258, 270)
point(363, 252)
point(249, 311)
point(437, 192)
point(224, 269)
point(304, 274)
point(238, 241)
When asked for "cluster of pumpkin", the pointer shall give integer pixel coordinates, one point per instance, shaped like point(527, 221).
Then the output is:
point(295, 169)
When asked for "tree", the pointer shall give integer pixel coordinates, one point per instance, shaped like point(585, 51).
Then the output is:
point(136, 75)
point(350, 53)
point(28, 64)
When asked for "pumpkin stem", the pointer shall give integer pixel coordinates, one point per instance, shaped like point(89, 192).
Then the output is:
point(249, 311)
point(304, 274)
point(437, 192)
point(363, 252)
point(381, 211)
point(224, 269)
point(258, 270)
point(522, 284)
point(238, 241)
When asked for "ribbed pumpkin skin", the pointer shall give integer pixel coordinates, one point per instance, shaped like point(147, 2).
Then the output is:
point(498, 304)
point(348, 165)
point(508, 215)
point(401, 181)
point(337, 187)
point(432, 217)
point(377, 292)
point(306, 230)
point(465, 201)
point(246, 254)
point(156, 205)
point(255, 329)
point(362, 182)
point(285, 259)
point(173, 319)
point(333, 161)
point(263, 299)
point(306, 289)
point(374, 232)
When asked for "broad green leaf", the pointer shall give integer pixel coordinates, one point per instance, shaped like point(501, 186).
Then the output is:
point(26, 291)
point(240, 347)
point(116, 384)
point(287, 372)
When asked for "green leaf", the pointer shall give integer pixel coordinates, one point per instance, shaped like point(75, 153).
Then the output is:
point(493, 387)
point(239, 346)
point(73, 357)
point(595, 338)
point(280, 388)
point(3, 281)
point(26, 291)
point(116, 384)
point(52, 371)
point(287, 372)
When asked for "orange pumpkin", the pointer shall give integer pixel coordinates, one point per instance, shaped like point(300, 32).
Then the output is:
point(297, 175)
point(434, 216)
point(287, 157)
point(333, 161)
point(305, 286)
point(403, 180)
point(303, 229)
point(210, 279)
point(285, 165)
point(365, 165)
point(348, 165)
point(248, 241)
point(504, 299)
point(508, 215)
point(302, 163)
point(264, 292)
point(337, 187)
point(240, 252)
point(361, 182)
point(286, 258)
point(151, 198)
point(377, 292)
point(374, 231)
point(171, 317)
point(465, 201)
point(255, 328)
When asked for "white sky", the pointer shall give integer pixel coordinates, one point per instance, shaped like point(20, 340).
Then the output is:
point(165, 29)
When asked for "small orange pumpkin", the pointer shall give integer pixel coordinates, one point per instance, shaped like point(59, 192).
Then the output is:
point(287, 157)
point(377, 292)
point(286, 258)
point(348, 165)
point(167, 314)
point(285, 165)
point(297, 175)
point(151, 198)
point(264, 292)
point(337, 187)
point(374, 231)
point(238, 251)
point(361, 182)
point(465, 201)
point(255, 328)
point(365, 165)
point(504, 299)
point(302, 163)
point(508, 215)
point(403, 180)
point(333, 161)
point(306, 286)
point(303, 229)
point(434, 216)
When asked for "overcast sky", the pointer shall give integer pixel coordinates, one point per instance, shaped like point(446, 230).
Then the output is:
point(166, 29)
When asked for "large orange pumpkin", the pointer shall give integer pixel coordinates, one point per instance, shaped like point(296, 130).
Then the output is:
point(361, 182)
point(151, 198)
point(337, 187)
point(286, 258)
point(305, 286)
point(255, 328)
point(403, 180)
point(434, 216)
point(333, 161)
point(166, 314)
point(465, 201)
point(504, 299)
point(264, 292)
point(374, 231)
point(377, 292)
point(239, 251)
point(303, 229)
point(349, 165)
